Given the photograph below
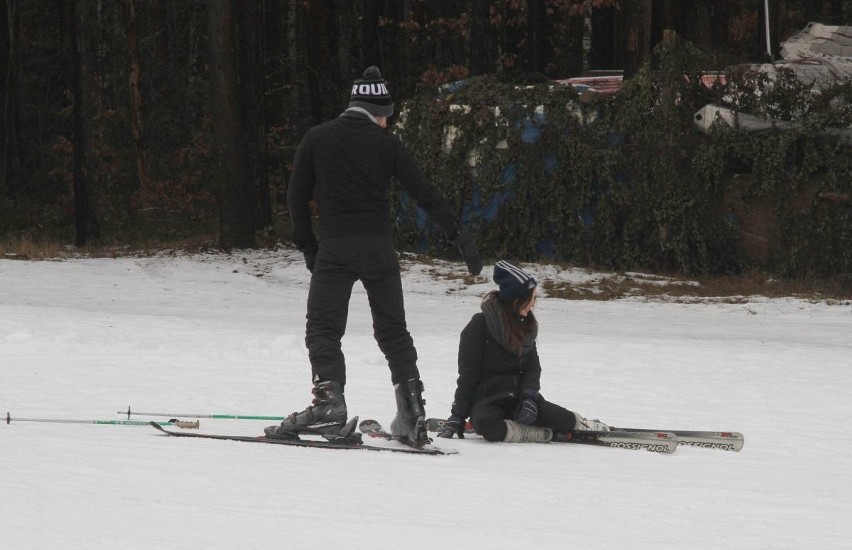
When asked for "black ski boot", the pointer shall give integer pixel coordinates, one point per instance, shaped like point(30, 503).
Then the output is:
point(326, 416)
point(409, 426)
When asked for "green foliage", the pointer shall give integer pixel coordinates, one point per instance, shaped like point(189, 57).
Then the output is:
point(629, 182)
point(804, 171)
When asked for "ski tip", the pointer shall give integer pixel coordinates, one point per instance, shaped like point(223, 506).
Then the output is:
point(369, 425)
point(731, 441)
point(735, 437)
point(154, 424)
point(723, 441)
point(349, 428)
point(431, 449)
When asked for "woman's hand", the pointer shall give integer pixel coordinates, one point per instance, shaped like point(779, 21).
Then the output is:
point(527, 410)
point(453, 425)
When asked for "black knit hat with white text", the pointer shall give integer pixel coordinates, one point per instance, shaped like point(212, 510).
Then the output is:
point(513, 281)
point(371, 94)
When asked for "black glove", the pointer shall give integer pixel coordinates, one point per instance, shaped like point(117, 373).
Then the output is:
point(453, 425)
point(527, 410)
point(464, 241)
point(310, 258)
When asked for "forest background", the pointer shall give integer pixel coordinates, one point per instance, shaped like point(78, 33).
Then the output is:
point(156, 123)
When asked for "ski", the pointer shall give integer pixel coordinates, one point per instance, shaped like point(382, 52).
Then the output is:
point(348, 444)
point(724, 441)
point(655, 442)
point(372, 428)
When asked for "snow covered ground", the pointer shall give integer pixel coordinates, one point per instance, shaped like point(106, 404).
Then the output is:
point(85, 338)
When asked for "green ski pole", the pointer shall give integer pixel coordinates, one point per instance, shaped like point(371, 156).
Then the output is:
point(130, 413)
point(185, 424)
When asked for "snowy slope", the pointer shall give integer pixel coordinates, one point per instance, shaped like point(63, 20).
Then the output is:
point(85, 338)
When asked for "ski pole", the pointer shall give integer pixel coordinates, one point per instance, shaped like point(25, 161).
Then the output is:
point(128, 412)
point(185, 424)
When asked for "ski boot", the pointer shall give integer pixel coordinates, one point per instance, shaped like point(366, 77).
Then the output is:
point(520, 433)
point(409, 425)
point(585, 425)
point(326, 416)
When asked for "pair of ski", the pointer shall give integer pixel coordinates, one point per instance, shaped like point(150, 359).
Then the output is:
point(658, 441)
point(348, 439)
point(662, 441)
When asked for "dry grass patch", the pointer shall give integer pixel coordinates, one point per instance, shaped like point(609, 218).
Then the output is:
point(25, 248)
point(727, 289)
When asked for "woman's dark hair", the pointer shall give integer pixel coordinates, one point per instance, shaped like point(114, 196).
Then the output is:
point(517, 328)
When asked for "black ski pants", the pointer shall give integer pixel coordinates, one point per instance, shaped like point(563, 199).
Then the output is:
point(340, 262)
point(489, 417)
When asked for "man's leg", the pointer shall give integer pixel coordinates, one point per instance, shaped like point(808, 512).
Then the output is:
point(390, 331)
point(328, 307)
point(328, 311)
point(389, 326)
point(381, 279)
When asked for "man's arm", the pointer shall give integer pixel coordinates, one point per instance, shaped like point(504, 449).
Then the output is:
point(431, 199)
point(300, 191)
point(428, 197)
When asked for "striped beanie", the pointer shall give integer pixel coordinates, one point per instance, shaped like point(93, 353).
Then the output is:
point(513, 281)
point(371, 94)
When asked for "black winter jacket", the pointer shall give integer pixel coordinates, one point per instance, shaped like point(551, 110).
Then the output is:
point(488, 371)
point(347, 165)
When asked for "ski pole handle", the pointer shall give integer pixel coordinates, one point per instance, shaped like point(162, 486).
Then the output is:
point(185, 424)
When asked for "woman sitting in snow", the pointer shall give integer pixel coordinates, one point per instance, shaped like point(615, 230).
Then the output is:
point(499, 370)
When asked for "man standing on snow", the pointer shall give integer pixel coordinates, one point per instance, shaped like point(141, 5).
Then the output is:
point(347, 165)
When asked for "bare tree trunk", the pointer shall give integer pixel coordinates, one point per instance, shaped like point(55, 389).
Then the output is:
point(370, 52)
point(9, 138)
point(482, 46)
point(343, 35)
point(700, 26)
point(296, 72)
point(85, 222)
point(315, 13)
point(397, 60)
point(638, 36)
point(721, 24)
point(836, 12)
point(603, 38)
point(318, 53)
point(570, 38)
point(276, 44)
point(236, 229)
point(134, 73)
point(536, 42)
point(250, 70)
